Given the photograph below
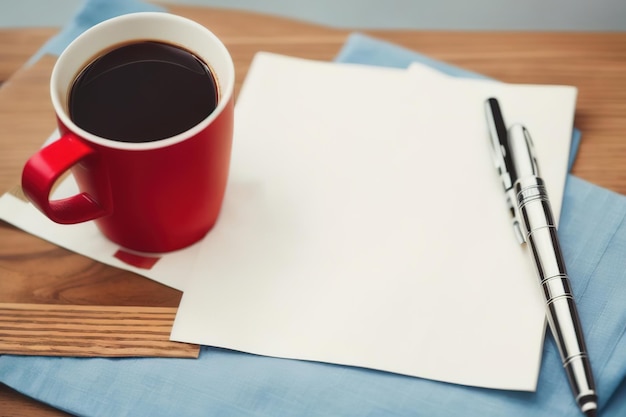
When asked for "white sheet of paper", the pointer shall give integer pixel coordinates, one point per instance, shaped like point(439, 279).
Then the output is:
point(364, 224)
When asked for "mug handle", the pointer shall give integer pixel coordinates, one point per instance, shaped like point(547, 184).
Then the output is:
point(44, 168)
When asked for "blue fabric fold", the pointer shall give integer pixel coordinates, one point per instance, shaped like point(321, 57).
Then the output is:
point(228, 383)
point(91, 13)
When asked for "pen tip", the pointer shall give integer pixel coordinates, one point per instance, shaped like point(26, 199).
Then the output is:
point(591, 412)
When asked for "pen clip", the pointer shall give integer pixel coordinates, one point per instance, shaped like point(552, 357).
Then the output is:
point(522, 151)
point(503, 160)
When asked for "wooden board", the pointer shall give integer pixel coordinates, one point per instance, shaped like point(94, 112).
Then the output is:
point(84, 331)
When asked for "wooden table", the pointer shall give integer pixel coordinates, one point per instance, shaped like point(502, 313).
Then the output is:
point(593, 62)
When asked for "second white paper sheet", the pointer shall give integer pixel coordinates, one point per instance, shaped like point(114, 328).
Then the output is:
point(364, 225)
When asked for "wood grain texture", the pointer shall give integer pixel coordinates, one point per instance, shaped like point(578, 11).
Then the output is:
point(18, 46)
point(34, 271)
point(87, 331)
point(14, 404)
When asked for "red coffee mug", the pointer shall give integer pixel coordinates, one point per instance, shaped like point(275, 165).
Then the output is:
point(153, 196)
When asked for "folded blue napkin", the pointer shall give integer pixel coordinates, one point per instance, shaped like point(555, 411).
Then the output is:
point(228, 383)
point(92, 13)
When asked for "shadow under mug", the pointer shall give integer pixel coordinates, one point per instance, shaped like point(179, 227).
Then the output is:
point(156, 196)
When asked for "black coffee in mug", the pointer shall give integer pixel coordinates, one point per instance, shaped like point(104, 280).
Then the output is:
point(142, 92)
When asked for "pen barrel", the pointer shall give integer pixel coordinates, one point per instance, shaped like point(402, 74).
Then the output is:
point(540, 230)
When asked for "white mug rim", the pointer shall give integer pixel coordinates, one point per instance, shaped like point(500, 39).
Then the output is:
point(225, 83)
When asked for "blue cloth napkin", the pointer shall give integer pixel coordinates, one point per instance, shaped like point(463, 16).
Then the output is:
point(227, 383)
point(92, 13)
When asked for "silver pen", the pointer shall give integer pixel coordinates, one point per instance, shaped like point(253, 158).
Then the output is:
point(534, 224)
